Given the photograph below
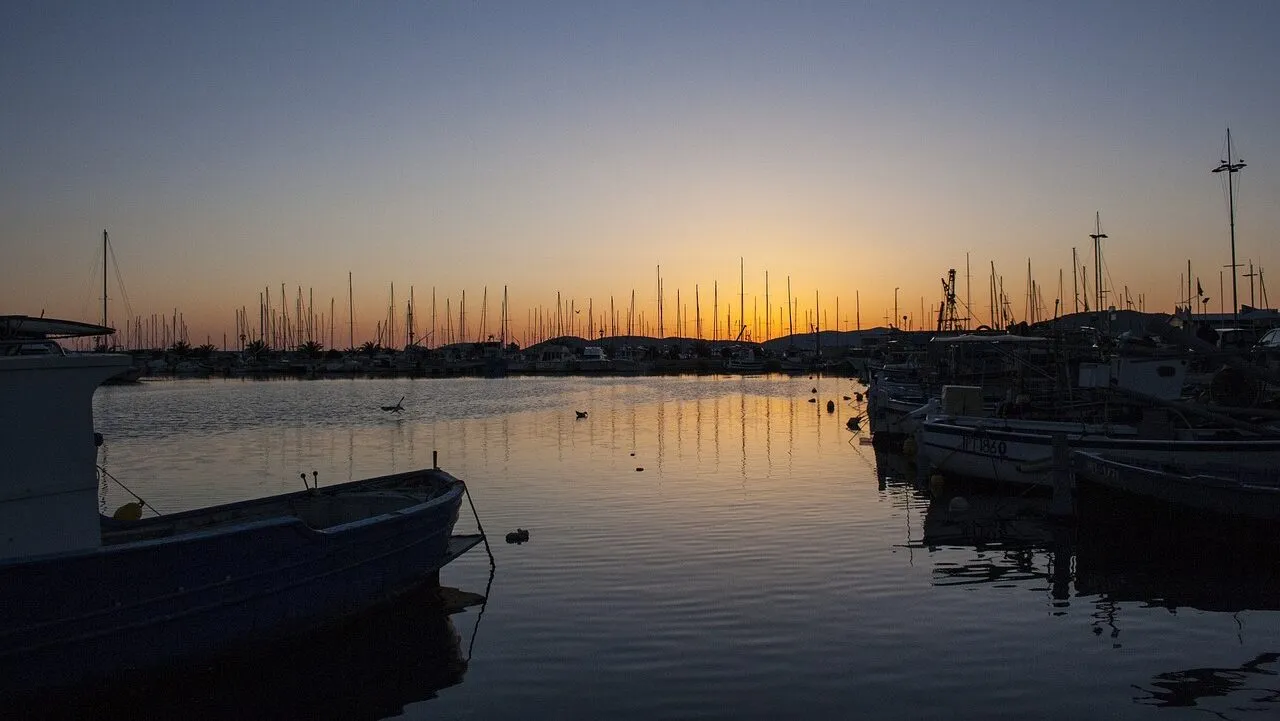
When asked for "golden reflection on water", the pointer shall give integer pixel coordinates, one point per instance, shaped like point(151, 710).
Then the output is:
point(686, 428)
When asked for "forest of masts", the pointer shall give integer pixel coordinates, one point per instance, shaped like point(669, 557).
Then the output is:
point(281, 322)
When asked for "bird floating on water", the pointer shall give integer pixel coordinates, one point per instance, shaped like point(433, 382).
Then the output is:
point(399, 406)
point(520, 535)
point(581, 414)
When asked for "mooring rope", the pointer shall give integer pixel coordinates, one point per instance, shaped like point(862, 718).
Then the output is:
point(141, 500)
point(483, 536)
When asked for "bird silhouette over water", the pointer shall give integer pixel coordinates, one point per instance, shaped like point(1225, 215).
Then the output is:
point(399, 406)
point(581, 414)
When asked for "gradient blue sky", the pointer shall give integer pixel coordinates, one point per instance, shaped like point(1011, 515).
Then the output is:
point(573, 147)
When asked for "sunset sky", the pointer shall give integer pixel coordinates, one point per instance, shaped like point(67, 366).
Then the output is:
point(574, 147)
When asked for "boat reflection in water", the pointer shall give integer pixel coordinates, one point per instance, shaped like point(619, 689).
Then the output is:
point(1014, 538)
point(368, 666)
point(1120, 570)
point(1253, 686)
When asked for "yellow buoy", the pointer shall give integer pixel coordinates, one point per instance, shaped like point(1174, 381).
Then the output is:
point(128, 512)
point(936, 484)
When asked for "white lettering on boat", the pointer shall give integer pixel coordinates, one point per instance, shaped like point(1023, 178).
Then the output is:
point(983, 446)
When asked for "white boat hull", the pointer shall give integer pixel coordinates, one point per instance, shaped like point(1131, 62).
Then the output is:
point(1025, 457)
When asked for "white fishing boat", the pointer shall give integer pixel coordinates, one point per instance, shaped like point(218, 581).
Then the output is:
point(553, 359)
point(1020, 451)
point(1234, 489)
point(743, 359)
point(594, 360)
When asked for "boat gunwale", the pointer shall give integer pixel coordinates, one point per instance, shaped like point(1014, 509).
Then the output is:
point(452, 488)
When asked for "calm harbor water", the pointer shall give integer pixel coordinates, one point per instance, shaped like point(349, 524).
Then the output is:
point(763, 564)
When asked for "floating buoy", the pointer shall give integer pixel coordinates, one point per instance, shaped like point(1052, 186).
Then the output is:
point(909, 446)
point(846, 398)
point(936, 484)
point(581, 414)
point(813, 390)
point(638, 469)
point(852, 423)
point(128, 512)
point(633, 453)
point(813, 400)
point(858, 396)
point(831, 406)
point(519, 535)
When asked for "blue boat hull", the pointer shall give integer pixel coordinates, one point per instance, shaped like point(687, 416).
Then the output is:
point(73, 617)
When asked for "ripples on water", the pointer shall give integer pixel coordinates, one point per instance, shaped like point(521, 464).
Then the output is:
point(763, 564)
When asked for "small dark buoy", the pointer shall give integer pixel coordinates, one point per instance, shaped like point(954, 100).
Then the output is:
point(858, 396)
point(633, 453)
point(846, 398)
point(813, 400)
point(581, 414)
point(638, 468)
point(813, 390)
point(853, 423)
point(519, 535)
point(831, 406)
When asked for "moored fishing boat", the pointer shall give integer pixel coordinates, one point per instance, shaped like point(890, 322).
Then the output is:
point(1020, 452)
point(594, 360)
point(87, 596)
point(744, 360)
point(1237, 489)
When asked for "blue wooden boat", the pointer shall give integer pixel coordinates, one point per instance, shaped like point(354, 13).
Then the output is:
point(86, 596)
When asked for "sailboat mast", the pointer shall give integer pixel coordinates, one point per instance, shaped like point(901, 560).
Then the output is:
point(968, 293)
point(1097, 236)
point(104, 278)
point(1231, 169)
point(767, 315)
point(1075, 284)
point(791, 319)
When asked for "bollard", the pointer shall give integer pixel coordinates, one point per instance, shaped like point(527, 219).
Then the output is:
point(1061, 504)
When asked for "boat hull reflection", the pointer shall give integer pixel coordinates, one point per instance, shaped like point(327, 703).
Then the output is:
point(368, 666)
